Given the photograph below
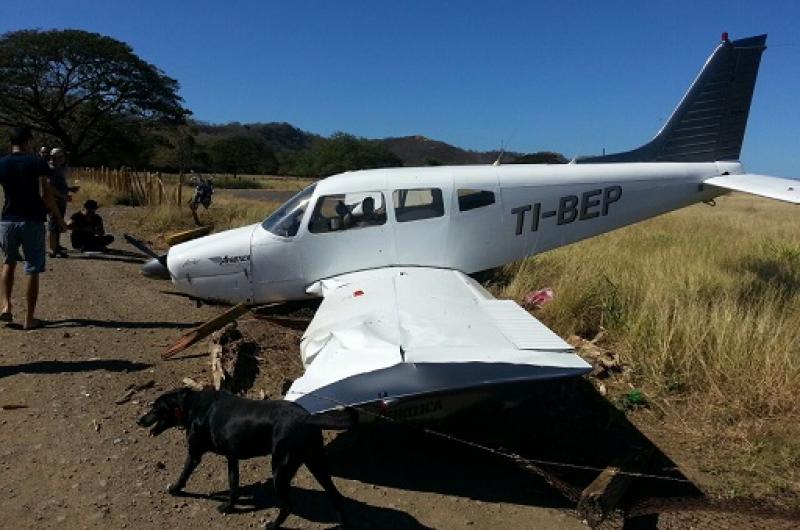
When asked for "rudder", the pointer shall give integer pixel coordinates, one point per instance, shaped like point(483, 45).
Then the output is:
point(709, 123)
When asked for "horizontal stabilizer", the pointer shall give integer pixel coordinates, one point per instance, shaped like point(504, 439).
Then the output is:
point(782, 189)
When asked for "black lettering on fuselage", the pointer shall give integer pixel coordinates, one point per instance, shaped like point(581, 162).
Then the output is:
point(567, 209)
point(535, 223)
point(587, 203)
point(520, 213)
point(611, 194)
point(590, 205)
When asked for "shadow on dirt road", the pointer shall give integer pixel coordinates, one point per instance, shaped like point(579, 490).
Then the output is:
point(68, 367)
point(559, 421)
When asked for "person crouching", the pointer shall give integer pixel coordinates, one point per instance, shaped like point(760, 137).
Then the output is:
point(88, 234)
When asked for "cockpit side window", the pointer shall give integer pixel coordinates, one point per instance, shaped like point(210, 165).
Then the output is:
point(285, 221)
point(416, 204)
point(345, 211)
point(469, 199)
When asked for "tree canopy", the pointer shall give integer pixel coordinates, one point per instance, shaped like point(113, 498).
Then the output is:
point(342, 152)
point(541, 157)
point(85, 89)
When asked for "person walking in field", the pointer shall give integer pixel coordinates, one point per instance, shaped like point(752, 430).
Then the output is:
point(28, 197)
point(61, 191)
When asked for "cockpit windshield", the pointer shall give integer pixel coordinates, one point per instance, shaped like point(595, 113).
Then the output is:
point(285, 221)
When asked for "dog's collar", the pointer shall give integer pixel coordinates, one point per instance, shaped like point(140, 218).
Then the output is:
point(180, 415)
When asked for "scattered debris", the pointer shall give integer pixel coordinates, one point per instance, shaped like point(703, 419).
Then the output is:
point(604, 362)
point(204, 330)
point(191, 383)
point(605, 492)
point(234, 366)
point(536, 299)
point(291, 322)
point(133, 389)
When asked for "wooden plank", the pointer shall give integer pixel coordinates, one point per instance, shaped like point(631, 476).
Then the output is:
point(602, 496)
point(204, 330)
point(188, 235)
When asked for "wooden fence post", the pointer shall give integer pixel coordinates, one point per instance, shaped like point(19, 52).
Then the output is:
point(180, 190)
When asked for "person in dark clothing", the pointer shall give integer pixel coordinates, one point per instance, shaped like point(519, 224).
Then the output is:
point(28, 197)
point(88, 233)
point(61, 190)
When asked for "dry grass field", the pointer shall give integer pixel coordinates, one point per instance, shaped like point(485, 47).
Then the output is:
point(700, 300)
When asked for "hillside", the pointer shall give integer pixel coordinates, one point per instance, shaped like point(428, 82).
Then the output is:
point(422, 151)
point(411, 150)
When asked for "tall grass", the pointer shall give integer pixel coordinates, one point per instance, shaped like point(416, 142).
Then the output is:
point(224, 213)
point(101, 193)
point(701, 300)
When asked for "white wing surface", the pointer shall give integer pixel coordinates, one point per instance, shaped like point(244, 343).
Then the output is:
point(782, 189)
point(403, 332)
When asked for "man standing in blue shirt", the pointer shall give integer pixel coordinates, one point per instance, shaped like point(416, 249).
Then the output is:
point(28, 197)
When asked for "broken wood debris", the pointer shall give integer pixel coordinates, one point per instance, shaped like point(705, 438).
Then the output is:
point(131, 390)
point(188, 382)
point(188, 235)
point(204, 330)
point(604, 494)
point(298, 323)
point(234, 365)
point(604, 361)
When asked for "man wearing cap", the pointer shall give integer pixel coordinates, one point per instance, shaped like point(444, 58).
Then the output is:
point(28, 197)
point(88, 234)
point(61, 190)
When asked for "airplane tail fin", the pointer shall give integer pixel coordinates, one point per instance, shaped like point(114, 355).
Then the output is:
point(708, 124)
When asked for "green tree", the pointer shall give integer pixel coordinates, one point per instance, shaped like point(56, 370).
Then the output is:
point(82, 88)
point(242, 154)
point(342, 152)
point(177, 150)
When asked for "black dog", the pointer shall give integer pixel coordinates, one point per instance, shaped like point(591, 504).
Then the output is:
point(239, 429)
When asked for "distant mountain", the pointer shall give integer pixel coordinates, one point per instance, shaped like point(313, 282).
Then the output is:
point(286, 140)
point(422, 151)
point(278, 136)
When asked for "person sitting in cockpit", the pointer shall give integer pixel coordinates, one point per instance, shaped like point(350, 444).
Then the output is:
point(367, 212)
point(345, 217)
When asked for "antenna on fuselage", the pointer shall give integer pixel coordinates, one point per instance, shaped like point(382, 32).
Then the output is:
point(499, 156)
point(503, 144)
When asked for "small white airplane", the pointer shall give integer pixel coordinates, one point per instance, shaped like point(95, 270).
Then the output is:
point(403, 327)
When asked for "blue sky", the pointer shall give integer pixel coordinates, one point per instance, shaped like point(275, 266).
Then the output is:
point(573, 77)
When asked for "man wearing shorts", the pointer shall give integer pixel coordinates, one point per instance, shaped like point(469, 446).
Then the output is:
point(28, 198)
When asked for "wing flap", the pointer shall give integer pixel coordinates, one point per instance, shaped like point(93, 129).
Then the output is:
point(782, 189)
point(376, 326)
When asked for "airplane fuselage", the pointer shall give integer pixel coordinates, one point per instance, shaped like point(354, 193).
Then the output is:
point(467, 218)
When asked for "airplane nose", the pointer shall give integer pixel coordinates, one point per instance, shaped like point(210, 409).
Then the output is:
point(156, 268)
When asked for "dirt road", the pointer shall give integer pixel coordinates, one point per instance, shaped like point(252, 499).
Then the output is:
point(72, 458)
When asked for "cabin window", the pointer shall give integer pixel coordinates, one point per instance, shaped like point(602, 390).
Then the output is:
point(285, 221)
point(416, 204)
point(469, 199)
point(345, 211)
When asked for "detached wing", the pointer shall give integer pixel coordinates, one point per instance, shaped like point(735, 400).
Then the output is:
point(782, 189)
point(396, 333)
